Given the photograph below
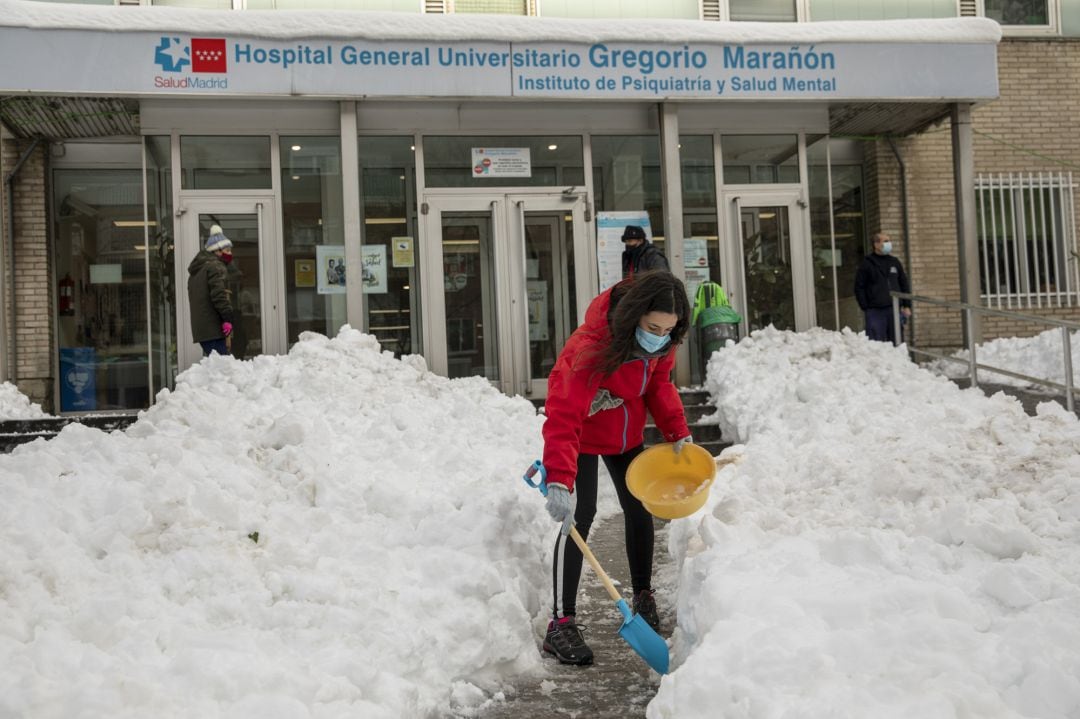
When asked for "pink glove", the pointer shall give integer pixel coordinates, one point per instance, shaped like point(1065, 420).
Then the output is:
point(226, 327)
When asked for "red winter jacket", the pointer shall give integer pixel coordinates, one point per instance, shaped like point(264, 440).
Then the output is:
point(575, 381)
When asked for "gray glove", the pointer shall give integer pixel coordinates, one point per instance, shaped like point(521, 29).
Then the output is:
point(681, 442)
point(560, 505)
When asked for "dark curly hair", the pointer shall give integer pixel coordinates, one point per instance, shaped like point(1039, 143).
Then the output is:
point(632, 299)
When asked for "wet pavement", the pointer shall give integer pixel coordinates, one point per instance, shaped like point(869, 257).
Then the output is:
point(619, 685)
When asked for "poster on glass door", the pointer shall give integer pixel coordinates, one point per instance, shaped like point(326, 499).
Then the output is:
point(501, 162)
point(609, 246)
point(330, 269)
point(373, 269)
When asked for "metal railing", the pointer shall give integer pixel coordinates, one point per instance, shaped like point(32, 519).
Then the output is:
point(1069, 388)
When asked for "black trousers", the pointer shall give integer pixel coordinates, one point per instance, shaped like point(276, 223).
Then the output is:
point(566, 569)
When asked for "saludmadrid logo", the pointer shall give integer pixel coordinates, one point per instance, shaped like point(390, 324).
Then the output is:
point(202, 55)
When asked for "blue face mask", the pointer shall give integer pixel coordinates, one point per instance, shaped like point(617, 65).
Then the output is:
point(886, 248)
point(649, 342)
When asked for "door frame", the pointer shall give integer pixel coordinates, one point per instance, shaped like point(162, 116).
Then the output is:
point(733, 265)
point(506, 206)
point(271, 271)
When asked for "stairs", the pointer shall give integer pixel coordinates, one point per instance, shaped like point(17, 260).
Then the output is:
point(14, 432)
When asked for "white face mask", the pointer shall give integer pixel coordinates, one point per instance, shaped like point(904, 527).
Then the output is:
point(886, 248)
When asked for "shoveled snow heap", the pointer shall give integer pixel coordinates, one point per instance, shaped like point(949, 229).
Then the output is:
point(332, 533)
point(1041, 356)
point(15, 405)
point(890, 545)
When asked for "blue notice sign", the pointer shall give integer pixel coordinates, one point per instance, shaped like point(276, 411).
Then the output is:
point(78, 388)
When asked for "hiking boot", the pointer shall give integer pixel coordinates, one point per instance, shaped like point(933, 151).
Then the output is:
point(645, 607)
point(564, 640)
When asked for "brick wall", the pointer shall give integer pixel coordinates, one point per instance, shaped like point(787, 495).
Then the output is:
point(1033, 126)
point(33, 321)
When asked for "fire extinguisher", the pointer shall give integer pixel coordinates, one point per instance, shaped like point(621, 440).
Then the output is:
point(66, 287)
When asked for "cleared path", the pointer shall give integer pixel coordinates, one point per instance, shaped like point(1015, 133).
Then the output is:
point(619, 685)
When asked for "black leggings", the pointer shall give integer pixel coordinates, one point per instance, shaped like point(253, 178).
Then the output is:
point(566, 569)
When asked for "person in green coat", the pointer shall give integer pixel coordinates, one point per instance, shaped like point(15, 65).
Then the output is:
point(208, 295)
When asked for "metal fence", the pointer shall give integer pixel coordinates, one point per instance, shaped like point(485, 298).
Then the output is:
point(970, 313)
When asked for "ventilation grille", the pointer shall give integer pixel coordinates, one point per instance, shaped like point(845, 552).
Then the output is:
point(969, 8)
point(437, 7)
point(710, 9)
point(129, 2)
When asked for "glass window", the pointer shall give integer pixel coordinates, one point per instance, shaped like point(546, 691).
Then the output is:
point(1027, 241)
point(626, 176)
point(763, 10)
point(835, 264)
point(388, 218)
point(225, 163)
point(1018, 12)
point(760, 159)
point(313, 228)
point(162, 270)
point(101, 287)
point(556, 160)
point(702, 243)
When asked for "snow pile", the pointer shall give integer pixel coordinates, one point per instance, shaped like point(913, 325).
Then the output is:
point(409, 26)
point(15, 405)
point(890, 545)
point(1040, 356)
point(332, 533)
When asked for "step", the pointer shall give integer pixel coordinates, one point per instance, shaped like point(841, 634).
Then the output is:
point(14, 432)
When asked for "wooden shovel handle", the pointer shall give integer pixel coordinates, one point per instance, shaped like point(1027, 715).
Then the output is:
point(604, 578)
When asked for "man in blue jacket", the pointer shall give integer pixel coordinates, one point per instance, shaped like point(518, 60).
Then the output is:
point(878, 275)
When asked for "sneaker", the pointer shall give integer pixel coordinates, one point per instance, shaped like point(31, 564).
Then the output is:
point(564, 640)
point(645, 607)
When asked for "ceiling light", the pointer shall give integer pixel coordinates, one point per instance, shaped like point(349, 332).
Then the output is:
point(412, 147)
point(296, 177)
point(296, 148)
point(553, 147)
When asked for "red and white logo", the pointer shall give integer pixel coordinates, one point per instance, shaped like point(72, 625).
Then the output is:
point(208, 55)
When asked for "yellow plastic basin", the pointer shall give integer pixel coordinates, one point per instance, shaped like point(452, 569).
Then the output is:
point(671, 485)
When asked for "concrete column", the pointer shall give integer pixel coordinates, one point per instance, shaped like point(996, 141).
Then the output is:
point(671, 184)
point(350, 191)
point(967, 240)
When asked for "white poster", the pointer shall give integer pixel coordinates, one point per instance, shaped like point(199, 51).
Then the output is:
point(609, 246)
point(501, 162)
point(373, 269)
point(537, 296)
point(695, 277)
point(695, 252)
point(330, 269)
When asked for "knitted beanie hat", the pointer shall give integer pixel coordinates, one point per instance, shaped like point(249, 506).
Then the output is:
point(217, 240)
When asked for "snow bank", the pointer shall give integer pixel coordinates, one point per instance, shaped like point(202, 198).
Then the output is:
point(1040, 356)
point(306, 24)
point(890, 545)
point(332, 533)
point(15, 405)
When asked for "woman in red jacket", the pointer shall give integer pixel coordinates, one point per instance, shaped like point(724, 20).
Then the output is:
point(613, 368)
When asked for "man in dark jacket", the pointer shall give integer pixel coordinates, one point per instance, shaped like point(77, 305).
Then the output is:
point(880, 273)
point(640, 255)
point(208, 294)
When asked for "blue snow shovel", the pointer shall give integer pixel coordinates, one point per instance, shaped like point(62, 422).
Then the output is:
point(635, 631)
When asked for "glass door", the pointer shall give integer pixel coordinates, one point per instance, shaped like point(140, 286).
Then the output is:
point(773, 261)
point(253, 278)
point(500, 272)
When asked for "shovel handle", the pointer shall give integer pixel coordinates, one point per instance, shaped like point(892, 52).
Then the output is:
point(587, 553)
